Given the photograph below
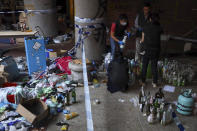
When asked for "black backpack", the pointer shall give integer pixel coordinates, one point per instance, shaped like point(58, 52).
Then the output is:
point(118, 76)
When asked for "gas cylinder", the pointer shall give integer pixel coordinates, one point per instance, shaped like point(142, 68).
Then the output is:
point(185, 102)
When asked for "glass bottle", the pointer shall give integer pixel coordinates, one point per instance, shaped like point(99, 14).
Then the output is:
point(67, 98)
point(141, 95)
point(74, 96)
point(159, 95)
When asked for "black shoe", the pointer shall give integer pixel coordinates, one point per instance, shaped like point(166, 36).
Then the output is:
point(61, 124)
point(124, 89)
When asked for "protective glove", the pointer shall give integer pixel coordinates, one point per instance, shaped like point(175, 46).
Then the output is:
point(120, 42)
point(140, 29)
point(129, 34)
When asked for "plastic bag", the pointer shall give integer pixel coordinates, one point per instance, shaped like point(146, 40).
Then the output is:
point(62, 64)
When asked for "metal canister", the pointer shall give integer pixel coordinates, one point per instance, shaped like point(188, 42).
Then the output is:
point(185, 103)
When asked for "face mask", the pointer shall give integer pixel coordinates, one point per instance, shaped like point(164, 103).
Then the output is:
point(124, 23)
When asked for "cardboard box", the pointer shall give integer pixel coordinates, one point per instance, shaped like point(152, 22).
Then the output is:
point(2, 68)
point(53, 54)
point(57, 53)
point(33, 110)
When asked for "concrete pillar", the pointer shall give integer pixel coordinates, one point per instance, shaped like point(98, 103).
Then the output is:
point(46, 20)
point(95, 43)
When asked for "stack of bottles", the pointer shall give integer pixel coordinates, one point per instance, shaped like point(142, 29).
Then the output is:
point(176, 73)
point(154, 107)
point(58, 101)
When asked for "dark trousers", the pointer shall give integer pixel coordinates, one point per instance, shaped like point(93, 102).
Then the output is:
point(115, 48)
point(153, 57)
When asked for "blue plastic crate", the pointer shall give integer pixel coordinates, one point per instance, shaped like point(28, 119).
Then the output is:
point(35, 53)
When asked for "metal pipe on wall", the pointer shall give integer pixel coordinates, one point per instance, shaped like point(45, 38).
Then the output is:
point(183, 39)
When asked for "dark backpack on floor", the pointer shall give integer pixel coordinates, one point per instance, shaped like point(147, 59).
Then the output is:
point(118, 76)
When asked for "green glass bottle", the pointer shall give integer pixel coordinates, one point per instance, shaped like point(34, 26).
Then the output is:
point(74, 95)
point(141, 95)
point(67, 98)
point(159, 96)
point(156, 104)
point(183, 82)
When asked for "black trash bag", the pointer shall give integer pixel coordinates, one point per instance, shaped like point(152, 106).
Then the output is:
point(118, 76)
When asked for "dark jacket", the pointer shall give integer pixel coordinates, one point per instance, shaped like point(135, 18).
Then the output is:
point(152, 33)
point(120, 30)
point(140, 21)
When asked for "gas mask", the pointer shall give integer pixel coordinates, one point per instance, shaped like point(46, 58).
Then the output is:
point(123, 23)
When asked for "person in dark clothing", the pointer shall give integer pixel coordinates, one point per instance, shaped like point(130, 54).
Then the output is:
point(151, 39)
point(140, 21)
point(117, 33)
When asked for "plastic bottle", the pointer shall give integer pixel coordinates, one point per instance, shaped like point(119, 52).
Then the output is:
point(141, 107)
point(64, 128)
point(142, 99)
point(163, 120)
point(158, 114)
point(124, 41)
point(147, 108)
point(53, 109)
point(141, 95)
point(2, 128)
point(151, 118)
point(178, 122)
point(12, 128)
point(71, 115)
point(169, 114)
point(6, 127)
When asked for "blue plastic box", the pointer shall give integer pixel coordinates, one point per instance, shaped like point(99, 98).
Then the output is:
point(47, 52)
point(35, 53)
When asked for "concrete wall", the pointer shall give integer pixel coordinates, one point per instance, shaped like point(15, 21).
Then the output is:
point(177, 17)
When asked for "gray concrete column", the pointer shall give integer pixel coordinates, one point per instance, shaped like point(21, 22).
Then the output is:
point(46, 20)
point(95, 43)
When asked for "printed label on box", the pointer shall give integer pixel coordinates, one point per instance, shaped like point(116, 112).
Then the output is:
point(37, 46)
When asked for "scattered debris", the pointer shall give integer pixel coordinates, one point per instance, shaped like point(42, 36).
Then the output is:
point(168, 88)
point(121, 100)
point(176, 73)
point(134, 101)
point(96, 102)
point(21, 63)
point(52, 88)
point(62, 38)
point(71, 115)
